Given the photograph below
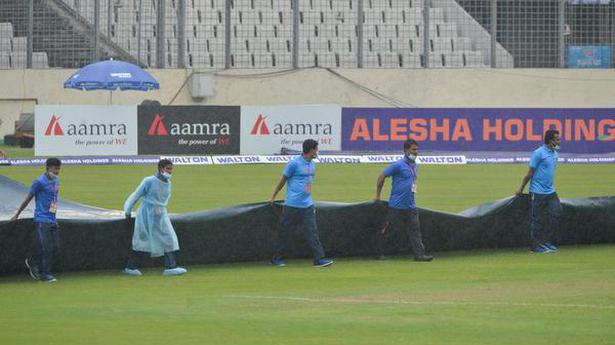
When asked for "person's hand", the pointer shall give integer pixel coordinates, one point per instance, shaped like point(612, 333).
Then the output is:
point(14, 218)
point(271, 201)
point(519, 192)
point(128, 215)
point(377, 199)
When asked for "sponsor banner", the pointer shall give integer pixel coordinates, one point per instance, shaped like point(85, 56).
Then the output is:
point(189, 160)
point(268, 129)
point(237, 159)
point(190, 130)
point(440, 160)
point(589, 56)
point(84, 130)
point(477, 129)
point(345, 159)
point(336, 159)
point(115, 160)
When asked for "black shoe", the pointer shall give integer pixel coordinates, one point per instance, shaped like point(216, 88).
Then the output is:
point(32, 269)
point(48, 278)
point(423, 258)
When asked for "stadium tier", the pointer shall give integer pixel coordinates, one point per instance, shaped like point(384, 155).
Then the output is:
point(213, 34)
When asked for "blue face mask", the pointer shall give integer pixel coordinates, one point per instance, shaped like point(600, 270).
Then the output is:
point(166, 175)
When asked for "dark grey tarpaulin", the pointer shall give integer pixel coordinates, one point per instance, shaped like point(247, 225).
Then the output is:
point(94, 238)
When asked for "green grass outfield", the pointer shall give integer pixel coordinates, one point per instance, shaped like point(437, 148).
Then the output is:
point(481, 297)
point(484, 297)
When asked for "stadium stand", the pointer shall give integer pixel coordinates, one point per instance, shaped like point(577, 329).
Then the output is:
point(326, 33)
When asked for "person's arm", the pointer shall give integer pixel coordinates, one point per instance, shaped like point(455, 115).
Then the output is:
point(288, 172)
point(23, 205)
point(278, 188)
point(134, 197)
point(379, 185)
point(534, 162)
point(388, 172)
point(525, 180)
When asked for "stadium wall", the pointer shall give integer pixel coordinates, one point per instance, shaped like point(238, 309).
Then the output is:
point(20, 90)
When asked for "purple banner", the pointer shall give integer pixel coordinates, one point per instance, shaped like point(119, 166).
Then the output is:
point(477, 129)
point(87, 160)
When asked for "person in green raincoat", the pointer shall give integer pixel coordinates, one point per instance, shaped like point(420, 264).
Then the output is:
point(153, 231)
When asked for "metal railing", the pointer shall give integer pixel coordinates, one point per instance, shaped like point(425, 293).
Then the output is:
point(215, 34)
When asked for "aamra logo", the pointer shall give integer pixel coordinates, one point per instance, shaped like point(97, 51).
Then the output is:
point(157, 127)
point(260, 126)
point(54, 127)
point(290, 128)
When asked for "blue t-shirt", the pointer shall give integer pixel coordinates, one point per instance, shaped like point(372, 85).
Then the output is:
point(543, 162)
point(300, 175)
point(404, 175)
point(45, 193)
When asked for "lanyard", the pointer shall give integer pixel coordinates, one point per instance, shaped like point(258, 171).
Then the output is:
point(412, 168)
point(54, 190)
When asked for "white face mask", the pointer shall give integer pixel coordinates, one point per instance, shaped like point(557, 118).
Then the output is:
point(52, 175)
point(411, 157)
point(555, 147)
point(166, 175)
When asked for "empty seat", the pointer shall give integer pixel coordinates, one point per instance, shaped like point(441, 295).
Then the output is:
point(282, 59)
point(371, 31)
point(414, 15)
point(447, 30)
point(373, 17)
point(4, 60)
point(18, 59)
point(262, 60)
point(435, 61)
point(241, 60)
point(20, 44)
point(433, 30)
point(343, 5)
point(411, 60)
point(347, 60)
point(371, 60)
point(416, 46)
point(39, 60)
point(453, 60)
point(377, 45)
point(461, 44)
point(5, 44)
point(6, 30)
point(391, 60)
point(241, 5)
point(394, 16)
point(441, 45)
point(474, 59)
point(436, 15)
point(408, 31)
point(342, 46)
point(325, 59)
point(262, 5)
point(416, 3)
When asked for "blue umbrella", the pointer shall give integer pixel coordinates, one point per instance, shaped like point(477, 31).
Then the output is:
point(111, 75)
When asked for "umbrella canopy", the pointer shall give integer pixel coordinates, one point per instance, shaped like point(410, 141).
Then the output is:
point(111, 75)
